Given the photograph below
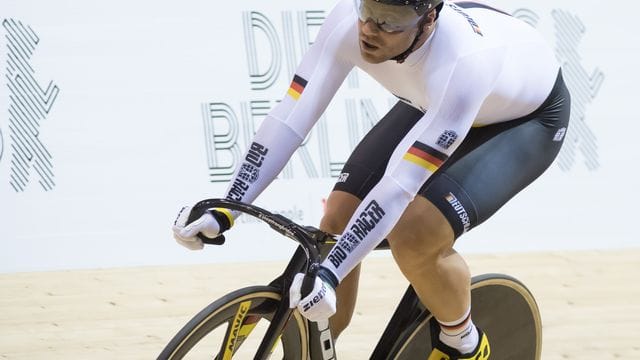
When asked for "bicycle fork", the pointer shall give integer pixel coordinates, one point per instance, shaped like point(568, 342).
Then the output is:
point(276, 327)
point(321, 341)
point(321, 345)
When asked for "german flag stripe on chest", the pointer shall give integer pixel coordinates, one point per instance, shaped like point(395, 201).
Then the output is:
point(425, 156)
point(297, 87)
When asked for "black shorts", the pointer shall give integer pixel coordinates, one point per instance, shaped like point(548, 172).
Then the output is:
point(492, 164)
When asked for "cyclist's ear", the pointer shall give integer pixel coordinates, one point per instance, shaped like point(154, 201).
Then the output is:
point(429, 19)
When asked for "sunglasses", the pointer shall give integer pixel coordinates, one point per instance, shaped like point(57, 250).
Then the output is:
point(388, 18)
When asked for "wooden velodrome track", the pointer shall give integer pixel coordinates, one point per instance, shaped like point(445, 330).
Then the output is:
point(590, 305)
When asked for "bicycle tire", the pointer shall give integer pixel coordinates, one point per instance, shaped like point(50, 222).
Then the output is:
point(502, 307)
point(233, 319)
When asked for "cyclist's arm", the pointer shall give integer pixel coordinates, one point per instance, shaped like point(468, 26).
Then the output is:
point(317, 78)
point(457, 97)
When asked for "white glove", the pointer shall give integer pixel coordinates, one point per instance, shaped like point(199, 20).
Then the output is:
point(320, 304)
point(185, 234)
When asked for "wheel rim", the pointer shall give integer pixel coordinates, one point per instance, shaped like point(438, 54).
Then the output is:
point(237, 327)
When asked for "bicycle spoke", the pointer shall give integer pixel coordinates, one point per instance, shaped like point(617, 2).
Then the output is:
point(279, 321)
point(220, 353)
point(234, 326)
point(234, 339)
point(235, 331)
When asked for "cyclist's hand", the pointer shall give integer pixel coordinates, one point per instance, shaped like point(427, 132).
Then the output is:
point(186, 234)
point(319, 304)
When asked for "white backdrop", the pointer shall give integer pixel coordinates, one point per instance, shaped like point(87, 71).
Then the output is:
point(114, 114)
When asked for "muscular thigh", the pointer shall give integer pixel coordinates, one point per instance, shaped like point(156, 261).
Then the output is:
point(421, 233)
point(491, 166)
point(496, 162)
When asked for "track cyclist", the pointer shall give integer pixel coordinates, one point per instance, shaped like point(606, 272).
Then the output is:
point(482, 112)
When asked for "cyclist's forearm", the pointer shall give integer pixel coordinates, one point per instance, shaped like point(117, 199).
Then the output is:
point(268, 153)
point(372, 221)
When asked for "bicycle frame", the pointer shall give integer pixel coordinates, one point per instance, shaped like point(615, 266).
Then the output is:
point(517, 325)
point(306, 259)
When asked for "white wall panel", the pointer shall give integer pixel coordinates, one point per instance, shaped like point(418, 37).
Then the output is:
point(114, 114)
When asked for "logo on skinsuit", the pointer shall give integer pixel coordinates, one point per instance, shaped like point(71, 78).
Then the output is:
point(447, 138)
point(249, 171)
point(460, 210)
point(297, 87)
point(425, 156)
point(363, 225)
point(343, 177)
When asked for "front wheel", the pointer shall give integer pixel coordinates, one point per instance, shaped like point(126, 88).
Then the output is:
point(233, 327)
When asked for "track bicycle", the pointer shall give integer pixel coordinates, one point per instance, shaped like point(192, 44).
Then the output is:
point(256, 322)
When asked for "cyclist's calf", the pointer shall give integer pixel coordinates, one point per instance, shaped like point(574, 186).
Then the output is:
point(421, 243)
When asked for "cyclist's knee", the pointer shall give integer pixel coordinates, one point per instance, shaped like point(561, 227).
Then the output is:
point(421, 237)
point(332, 224)
point(339, 208)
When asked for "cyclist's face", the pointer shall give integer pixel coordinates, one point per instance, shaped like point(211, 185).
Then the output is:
point(384, 31)
point(377, 46)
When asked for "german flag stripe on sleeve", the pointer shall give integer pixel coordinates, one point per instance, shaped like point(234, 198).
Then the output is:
point(297, 87)
point(425, 156)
